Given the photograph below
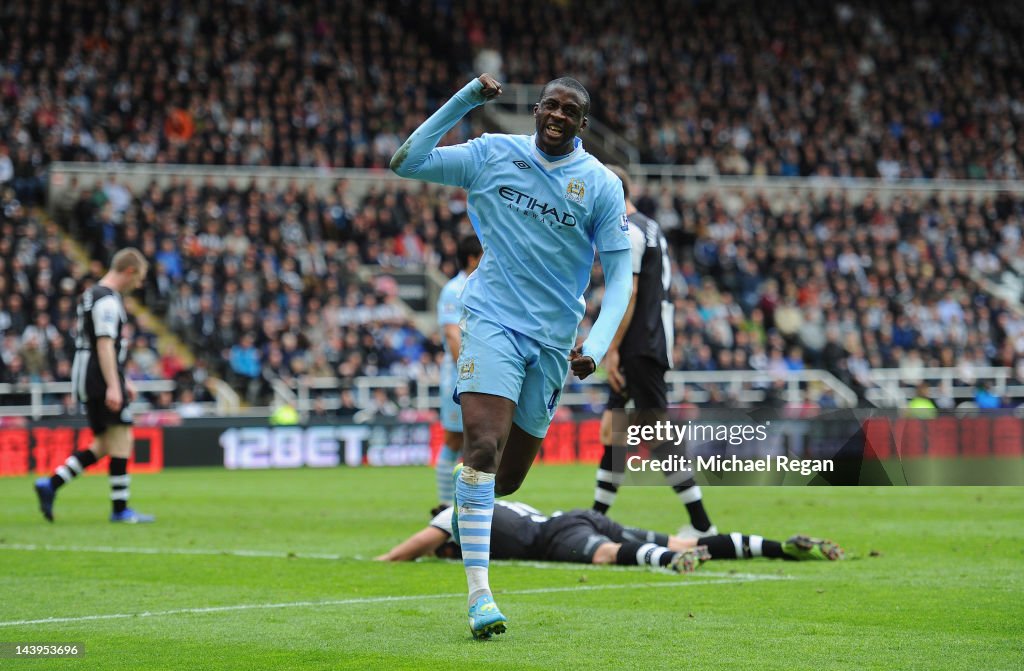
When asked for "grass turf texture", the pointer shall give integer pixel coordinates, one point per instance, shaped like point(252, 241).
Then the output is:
point(933, 579)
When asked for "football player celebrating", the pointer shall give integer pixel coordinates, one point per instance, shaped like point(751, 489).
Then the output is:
point(540, 205)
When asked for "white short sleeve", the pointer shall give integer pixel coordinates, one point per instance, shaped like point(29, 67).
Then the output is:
point(443, 521)
point(637, 246)
point(105, 316)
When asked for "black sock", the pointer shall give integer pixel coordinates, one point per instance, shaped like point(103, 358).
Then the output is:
point(72, 468)
point(734, 545)
point(687, 491)
point(773, 550)
point(720, 546)
point(646, 554)
point(119, 480)
point(608, 480)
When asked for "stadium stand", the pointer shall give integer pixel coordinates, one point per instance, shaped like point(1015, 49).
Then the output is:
point(314, 85)
point(784, 88)
point(275, 283)
point(40, 280)
point(791, 88)
point(848, 288)
point(267, 285)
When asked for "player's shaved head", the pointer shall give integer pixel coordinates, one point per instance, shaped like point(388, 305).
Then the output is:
point(573, 85)
point(468, 246)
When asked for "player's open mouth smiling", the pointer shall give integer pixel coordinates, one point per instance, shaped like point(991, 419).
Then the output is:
point(554, 131)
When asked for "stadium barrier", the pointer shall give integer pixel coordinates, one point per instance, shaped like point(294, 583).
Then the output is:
point(891, 387)
point(43, 397)
point(689, 181)
point(249, 444)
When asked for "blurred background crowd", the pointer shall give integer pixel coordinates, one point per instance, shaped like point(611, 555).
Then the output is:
point(283, 282)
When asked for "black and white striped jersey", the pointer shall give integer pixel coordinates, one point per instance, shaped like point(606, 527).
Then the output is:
point(101, 314)
point(515, 530)
point(650, 332)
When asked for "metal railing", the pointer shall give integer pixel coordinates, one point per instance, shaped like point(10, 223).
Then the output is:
point(745, 386)
point(894, 387)
point(888, 388)
point(138, 176)
point(691, 180)
point(37, 408)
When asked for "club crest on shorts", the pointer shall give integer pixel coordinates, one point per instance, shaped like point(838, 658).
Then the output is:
point(467, 369)
point(575, 190)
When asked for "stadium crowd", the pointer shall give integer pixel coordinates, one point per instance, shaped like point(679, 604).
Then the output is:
point(914, 90)
point(266, 284)
point(795, 282)
point(40, 282)
point(270, 284)
point(313, 84)
point(786, 88)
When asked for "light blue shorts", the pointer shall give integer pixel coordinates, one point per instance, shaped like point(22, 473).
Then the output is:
point(495, 360)
point(451, 412)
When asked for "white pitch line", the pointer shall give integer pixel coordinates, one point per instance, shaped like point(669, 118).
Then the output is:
point(274, 554)
point(369, 600)
point(277, 554)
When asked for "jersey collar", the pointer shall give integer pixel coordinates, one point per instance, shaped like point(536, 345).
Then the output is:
point(577, 153)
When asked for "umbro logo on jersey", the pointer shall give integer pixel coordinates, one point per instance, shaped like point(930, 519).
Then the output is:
point(522, 165)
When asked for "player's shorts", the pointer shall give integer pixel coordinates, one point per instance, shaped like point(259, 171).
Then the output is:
point(101, 417)
point(451, 412)
point(645, 385)
point(496, 360)
point(576, 535)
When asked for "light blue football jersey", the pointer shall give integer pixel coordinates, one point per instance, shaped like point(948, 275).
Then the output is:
point(449, 311)
point(539, 222)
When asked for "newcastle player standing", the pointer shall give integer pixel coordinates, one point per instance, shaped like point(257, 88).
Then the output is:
point(98, 382)
point(637, 360)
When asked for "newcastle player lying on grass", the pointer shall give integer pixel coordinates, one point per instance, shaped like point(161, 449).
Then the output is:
point(520, 531)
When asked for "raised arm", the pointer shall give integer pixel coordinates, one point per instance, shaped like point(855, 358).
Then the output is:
point(419, 157)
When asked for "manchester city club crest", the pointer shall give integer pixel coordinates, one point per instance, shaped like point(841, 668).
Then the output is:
point(575, 190)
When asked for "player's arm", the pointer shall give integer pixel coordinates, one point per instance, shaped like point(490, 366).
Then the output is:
point(108, 366)
point(453, 337)
point(420, 158)
point(611, 237)
point(617, 291)
point(637, 247)
point(611, 358)
point(449, 311)
point(420, 544)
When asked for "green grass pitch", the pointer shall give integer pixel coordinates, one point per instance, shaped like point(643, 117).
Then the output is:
point(933, 579)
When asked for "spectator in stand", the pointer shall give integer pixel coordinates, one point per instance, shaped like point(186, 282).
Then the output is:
point(296, 85)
